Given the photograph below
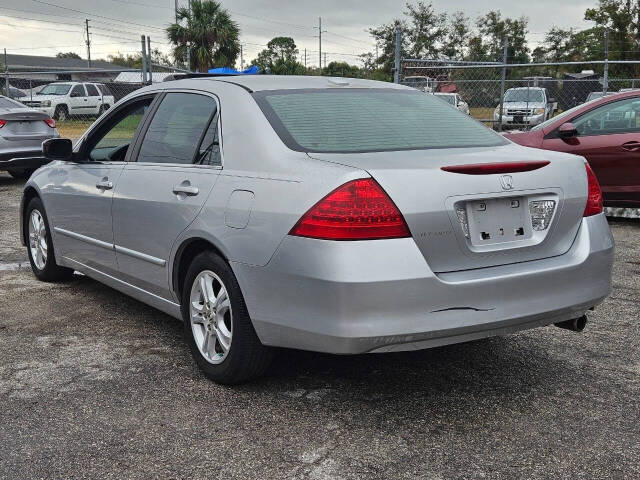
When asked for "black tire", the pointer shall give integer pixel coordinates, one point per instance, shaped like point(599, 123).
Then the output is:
point(246, 358)
point(61, 113)
point(20, 174)
point(51, 272)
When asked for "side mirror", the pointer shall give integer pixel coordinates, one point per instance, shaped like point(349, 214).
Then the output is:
point(58, 149)
point(567, 130)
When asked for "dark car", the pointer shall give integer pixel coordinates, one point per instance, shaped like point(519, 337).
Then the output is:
point(605, 131)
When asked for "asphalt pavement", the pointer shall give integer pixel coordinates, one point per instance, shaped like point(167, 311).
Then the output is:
point(94, 384)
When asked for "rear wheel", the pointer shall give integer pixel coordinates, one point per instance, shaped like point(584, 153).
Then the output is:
point(40, 245)
point(217, 326)
point(61, 113)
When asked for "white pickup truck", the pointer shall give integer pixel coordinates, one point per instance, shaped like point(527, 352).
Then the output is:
point(525, 107)
point(62, 100)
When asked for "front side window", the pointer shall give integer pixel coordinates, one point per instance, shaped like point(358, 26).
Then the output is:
point(369, 120)
point(112, 142)
point(92, 91)
point(177, 128)
point(78, 91)
point(616, 117)
point(56, 89)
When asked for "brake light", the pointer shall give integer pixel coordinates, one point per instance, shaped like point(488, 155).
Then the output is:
point(496, 168)
point(358, 210)
point(594, 195)
point(2, 123)
point(51, 122)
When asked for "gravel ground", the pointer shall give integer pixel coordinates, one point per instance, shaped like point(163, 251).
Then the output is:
point(96, 385)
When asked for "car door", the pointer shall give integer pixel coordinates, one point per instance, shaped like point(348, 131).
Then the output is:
point(93, 99)
point(164, 187)
point(609, 138)
point(78, 101)
point(80, 203)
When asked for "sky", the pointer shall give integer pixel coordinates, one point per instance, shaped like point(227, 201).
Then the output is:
point(42, 27)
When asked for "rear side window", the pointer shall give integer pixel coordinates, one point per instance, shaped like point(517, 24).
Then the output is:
point(92, 91)
point(369, 120)
point(177, 128)
point(78, 91)
point(104, 90)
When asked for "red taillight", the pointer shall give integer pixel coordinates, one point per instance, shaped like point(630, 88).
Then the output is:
point(2, 123)
point(358, 210)
point(594, 196)
point(495, 168)
point(51, 122)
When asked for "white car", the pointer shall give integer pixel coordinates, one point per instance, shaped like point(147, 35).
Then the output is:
point(455, 100)
point(62, 100)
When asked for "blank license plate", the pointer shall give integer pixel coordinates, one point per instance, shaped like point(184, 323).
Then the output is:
point(497, 220)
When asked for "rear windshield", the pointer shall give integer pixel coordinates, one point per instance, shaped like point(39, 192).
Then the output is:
point(369, 120)
point(8, 103)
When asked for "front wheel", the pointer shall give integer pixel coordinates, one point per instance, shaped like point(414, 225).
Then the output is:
point(40, 245)
point(217, 326)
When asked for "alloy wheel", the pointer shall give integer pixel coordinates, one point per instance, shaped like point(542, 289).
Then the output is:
point(38, 239)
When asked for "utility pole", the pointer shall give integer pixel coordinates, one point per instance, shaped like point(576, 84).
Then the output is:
point(188, 44)
point(176, 11)
point(149, 62)
point(86, 23)
point(241, 58)
point(605, 80)
point(143, 41)
point(320, 32)
point(503, 78)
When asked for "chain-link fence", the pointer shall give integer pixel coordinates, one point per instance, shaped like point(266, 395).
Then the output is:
point(518, 96)
point(74, 98)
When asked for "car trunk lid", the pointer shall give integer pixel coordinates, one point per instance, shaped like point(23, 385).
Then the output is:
point(463, 221)
point(24, 124)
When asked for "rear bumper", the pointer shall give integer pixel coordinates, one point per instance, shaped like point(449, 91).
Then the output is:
point(19, 159)
point(356, 297)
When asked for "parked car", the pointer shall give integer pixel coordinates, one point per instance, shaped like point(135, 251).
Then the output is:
point(525, 106)
point(455, 100)
point(422, 83)
point(14, 92)
point(606, 132)
point(596, 95)
point(61, 100)
point(22, 131)
point(333, 215)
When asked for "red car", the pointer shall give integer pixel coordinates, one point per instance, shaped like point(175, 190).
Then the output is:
point(606, 132)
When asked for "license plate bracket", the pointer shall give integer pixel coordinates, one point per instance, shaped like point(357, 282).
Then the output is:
point(498, 220)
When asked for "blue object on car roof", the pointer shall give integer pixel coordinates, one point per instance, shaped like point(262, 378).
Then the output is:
point(252, 70)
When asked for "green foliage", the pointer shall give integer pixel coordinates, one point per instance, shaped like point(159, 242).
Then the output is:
point(280, 58)
point(68, 55)
point(214, 37)
point(135, 60)
point(341, 69)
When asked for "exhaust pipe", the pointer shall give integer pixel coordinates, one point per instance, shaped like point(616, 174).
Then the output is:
point(575, 325)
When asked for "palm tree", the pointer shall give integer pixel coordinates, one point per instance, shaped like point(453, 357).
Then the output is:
point(212, 34)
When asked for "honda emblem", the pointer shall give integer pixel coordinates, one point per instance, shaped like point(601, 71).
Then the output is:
point(507, 182)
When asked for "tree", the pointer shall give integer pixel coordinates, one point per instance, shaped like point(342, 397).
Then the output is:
point(135, 60)
point(385, 38)
point(68, 55)
point(427, 29)
point(341, 69)
point(280, 58)
point(212, 34)
point(493, 29)
point(456, 40)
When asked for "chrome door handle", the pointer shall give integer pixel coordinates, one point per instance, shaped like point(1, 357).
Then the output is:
point(186, 190)
point(104, 185)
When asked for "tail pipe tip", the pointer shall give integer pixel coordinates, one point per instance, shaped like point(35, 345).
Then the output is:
point(575, 325)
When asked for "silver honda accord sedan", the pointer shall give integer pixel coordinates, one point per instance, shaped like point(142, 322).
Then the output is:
point(332, 215)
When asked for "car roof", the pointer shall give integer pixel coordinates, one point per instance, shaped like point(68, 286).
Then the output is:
point(256, 83)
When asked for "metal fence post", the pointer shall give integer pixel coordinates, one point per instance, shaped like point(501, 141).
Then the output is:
point(144, 58)
point(503, 78)
point(149, 62)
point(6, 74)
point(396, 72)
point(605, 80)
